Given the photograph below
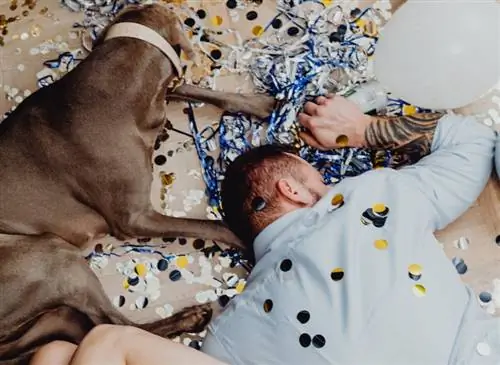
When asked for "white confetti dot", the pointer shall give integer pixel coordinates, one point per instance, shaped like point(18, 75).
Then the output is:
point(34, 51)
point(18, 99)
point(488, 122)
point(24, 36)
point(27, 93)
point(483, 349)
point(186, 341)
point(21, 67)
point(217, 268)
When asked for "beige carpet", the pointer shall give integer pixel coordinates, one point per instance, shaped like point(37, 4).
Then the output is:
point(140, 283)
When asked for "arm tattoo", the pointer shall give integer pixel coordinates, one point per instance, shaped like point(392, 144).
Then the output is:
point(408, 138)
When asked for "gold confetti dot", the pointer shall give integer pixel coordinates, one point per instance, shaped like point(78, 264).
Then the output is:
point(327, 2)
point(337, 199)
point(415, 272)
point(181, 262)
point(141, 269)
point(360, 23)
point(167, 179)
point(378, 208)
point(381, 244)
point(419, 290)
point(125, 284)
point(257, 30)
point(217, 20)
point(342, 140)
point(240, 287)
point(409, 110)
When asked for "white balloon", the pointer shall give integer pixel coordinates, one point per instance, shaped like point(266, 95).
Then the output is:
point(441, 54)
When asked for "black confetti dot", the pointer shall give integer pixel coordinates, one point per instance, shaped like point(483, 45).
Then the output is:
point(252, 15)
point(257, 2)
point(170, 153)
point(162, 265)
point(268, 305)
point(175, 275)
point(223, 300)
point(337, 275)
point(204, 38)
point(168, 239)
point(185, 110)
point(286, 265)
point(342, 29)
point(198, 244)
point(485, 297)
point(231, 4)
point(195, 344)
point(121, 301)
point(98, 248)
point(303, 317)
point(202, 14)
point(133, 281)
point(157, 144)
point(293, 31)
point(497, 240)
point(336, 37)
point(216, 54)
point(190, 22)
point(305, 340)
point(182, 241)
point(144, 239)
point(318, 341)
point(276, 23)
point(355, 12)
point(460, 265)
point(160, 160)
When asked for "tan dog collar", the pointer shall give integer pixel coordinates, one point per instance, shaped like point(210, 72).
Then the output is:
point(138, 31)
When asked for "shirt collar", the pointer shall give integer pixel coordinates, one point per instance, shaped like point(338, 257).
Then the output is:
point(263, 241)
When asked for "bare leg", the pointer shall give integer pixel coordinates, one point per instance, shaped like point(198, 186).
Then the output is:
point(55, 353)
point(259, 105)
point(119, 345)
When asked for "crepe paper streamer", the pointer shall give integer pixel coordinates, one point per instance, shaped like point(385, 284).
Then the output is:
point(296, 71)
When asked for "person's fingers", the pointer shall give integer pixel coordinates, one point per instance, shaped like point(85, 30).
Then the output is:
point(321, 100)
point(310, 108)
point(309, 139)
point(305, 120)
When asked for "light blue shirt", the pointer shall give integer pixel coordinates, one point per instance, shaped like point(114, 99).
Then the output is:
point(365, 282)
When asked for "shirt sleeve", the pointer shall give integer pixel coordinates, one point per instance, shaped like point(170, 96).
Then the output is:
point(213, 347)
point(453, 175)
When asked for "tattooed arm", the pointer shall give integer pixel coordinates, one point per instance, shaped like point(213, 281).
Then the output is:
point(448, 158)
point(408, 138)
point(454, 154)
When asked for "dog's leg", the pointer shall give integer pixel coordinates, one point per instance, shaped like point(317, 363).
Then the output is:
point(259, 105)
point(60, 277)
point(153, 224)
point(62, 323)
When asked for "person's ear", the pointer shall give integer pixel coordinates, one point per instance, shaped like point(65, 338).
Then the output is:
point(293, 191)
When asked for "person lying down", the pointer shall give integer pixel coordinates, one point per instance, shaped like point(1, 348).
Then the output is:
point(347, 275)
point(353, 275)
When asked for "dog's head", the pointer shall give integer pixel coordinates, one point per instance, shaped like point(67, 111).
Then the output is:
point(158, 18)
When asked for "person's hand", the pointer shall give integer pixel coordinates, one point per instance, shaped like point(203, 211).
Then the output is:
point(333, 122)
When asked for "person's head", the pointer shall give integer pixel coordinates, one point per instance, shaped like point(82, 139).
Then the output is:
point(263, 184)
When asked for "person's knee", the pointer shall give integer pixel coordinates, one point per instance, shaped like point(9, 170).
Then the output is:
point(54, 353)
